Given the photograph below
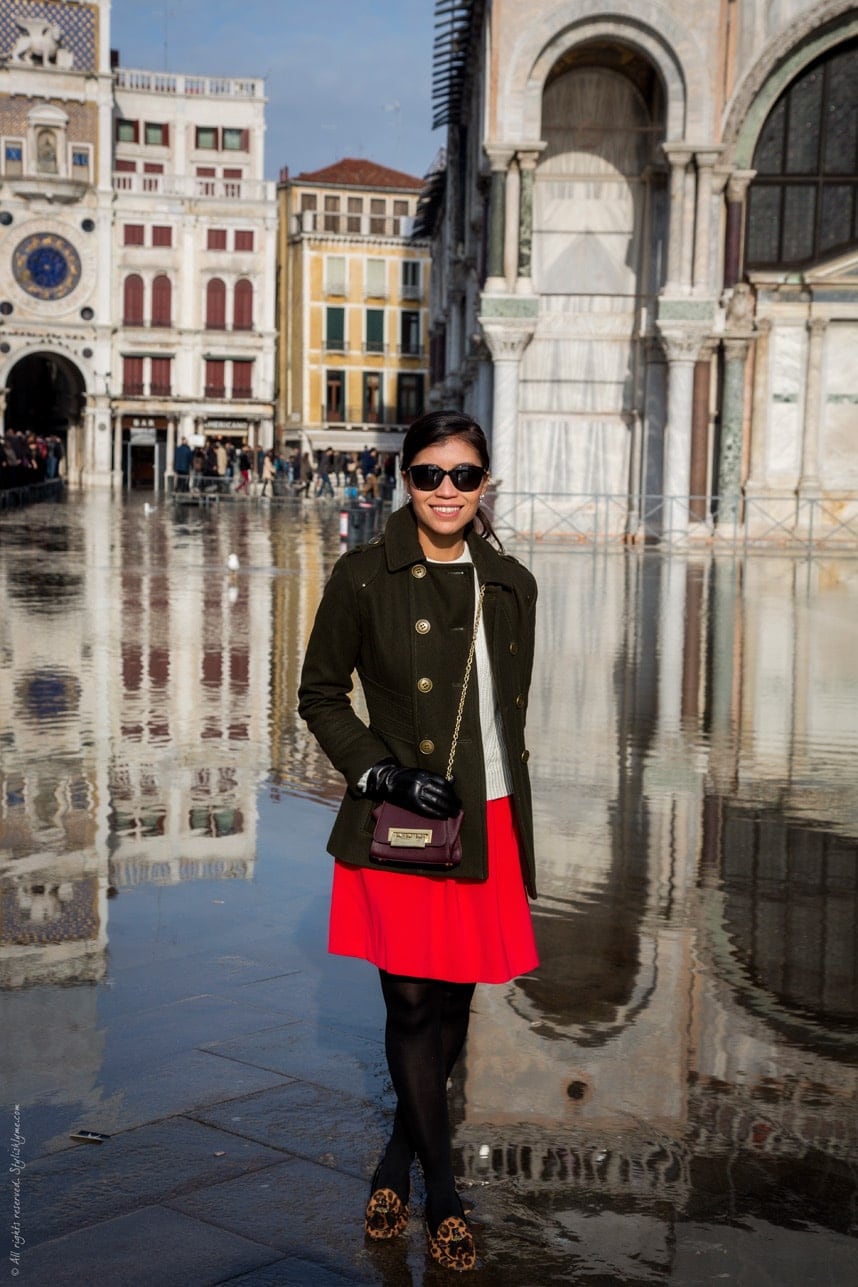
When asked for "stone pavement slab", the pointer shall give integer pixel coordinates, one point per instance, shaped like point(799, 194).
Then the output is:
point(309, 1121)
point(152, 1245)
point(302, 1209)
point(93, 1183)
point(190, 1080)
point(330, 1056)
point(292, 1272)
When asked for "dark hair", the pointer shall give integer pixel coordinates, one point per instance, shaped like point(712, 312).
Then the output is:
point(438, 426)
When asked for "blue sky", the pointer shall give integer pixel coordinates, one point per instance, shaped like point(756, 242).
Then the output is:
point(344, 77)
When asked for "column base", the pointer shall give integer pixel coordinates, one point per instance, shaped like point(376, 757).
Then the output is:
point(495, 286)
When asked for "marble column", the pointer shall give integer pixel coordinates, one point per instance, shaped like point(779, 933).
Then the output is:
point(760, 406)
point(116, 421)
point(698, 472)
point(732, 419)
point(705, 158)
point(507, 341)
point(809, 484)
point(681, 347)
point(89, 462)
point(737, 189)
point(527, 167)
point(510, 241)
point(499, 158)
point(678, 156)
point(171, 453)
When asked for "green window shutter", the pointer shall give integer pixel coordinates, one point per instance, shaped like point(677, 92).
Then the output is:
point(375, 329)
point(335, 325)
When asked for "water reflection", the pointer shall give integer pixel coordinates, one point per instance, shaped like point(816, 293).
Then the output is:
point(689, 1042)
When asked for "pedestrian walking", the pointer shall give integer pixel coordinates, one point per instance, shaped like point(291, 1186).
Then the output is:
point(268, 472)
point(439, 624)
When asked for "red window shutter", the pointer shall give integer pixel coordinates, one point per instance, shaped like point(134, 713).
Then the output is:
point(162, 235)
point(133, 234)
point(216, 305)
point(132, 376)
point(242, 373)
point(245, 140)
point(216, 239)
point(244, 239)
point(162, 293)
point(125, 167)
point(232, 174)
point(132, 300)
point(215, 387)
point(153, 167)
point(159, 384)
point(242, 306)
point(165, 135)
point(205, 171)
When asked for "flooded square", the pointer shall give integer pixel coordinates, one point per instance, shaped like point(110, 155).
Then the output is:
point(669, 1098)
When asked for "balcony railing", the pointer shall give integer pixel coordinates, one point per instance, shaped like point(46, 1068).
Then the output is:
point(215, 390)
point(335, 346)
point(386, 417)
point(193, 187)
point(410, 291)
point(374, 346)
point(411, 350)
point(132, 389)
point(325, 223)
point(160, 390)
point(199, 86)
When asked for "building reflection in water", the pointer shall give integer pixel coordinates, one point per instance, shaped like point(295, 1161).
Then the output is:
point(694, 735)
point(695, 746)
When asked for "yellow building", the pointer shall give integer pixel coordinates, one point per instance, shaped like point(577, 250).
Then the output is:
point(352, 307)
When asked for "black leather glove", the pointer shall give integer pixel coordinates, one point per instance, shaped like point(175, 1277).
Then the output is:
point(425, 793)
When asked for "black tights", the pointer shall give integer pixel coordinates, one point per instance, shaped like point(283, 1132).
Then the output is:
point(427, 1022)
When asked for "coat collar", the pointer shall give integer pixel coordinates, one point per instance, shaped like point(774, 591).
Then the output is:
point(402, 549)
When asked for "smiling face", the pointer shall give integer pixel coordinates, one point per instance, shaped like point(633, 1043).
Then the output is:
point(443, 514)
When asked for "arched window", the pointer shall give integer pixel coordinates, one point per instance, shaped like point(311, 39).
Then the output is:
point(132, 300)
point(162, 293)
point(242, 306)
point(216, 305)
point(803, 204)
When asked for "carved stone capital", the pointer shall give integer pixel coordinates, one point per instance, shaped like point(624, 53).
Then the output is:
point(678, 154)
point(682, 344)
point(528, 155)
point(736, 347)
point(707, 156)
point(817, 326)
point(499, 154)
point(507, 339)
point(738, 183)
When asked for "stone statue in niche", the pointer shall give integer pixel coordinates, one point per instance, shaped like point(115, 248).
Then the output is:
point(46, 152)
point(40, 45)
point(740, 309)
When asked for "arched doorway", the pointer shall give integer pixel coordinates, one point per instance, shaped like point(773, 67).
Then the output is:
point(598, 263)
point(45, 395)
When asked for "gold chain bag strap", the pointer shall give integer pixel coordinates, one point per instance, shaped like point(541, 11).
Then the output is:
point(406, 839)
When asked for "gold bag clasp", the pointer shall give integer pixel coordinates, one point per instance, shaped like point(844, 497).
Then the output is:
point(408, 838)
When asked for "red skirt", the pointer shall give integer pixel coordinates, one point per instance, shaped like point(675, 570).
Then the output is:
point(461, 931)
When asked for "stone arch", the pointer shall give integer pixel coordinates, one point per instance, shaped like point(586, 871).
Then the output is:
point(813, 34)
point(45, 391)
point(660, 40)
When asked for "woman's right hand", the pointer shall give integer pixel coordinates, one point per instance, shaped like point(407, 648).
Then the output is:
point(425, 793)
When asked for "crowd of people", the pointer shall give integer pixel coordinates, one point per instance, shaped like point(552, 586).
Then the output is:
point(228, 467)
point(27, 458)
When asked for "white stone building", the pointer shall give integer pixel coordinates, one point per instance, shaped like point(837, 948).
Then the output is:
point(138, 253)
point(646, 242)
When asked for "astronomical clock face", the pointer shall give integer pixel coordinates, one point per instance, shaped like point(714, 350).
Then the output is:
point(46, 266)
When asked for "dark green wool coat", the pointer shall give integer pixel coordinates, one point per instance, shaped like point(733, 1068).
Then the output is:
point(405, 626)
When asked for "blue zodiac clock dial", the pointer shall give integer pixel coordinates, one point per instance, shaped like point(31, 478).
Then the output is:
point(46, 266)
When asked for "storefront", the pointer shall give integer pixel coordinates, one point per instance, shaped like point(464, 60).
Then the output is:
point(144, 452)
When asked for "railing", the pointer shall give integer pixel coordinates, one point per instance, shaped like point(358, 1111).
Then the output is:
point(385, 416)
point(409, 291)
point(193, 187)
point(411, 350)
point(199, 86)
point(328, 223)
point(784, 522)
point(335, 346)
point(14, 496)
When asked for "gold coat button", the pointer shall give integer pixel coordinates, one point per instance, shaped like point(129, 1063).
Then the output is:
point(513, 648)
point(426, 746)
point(422, 626)
point(519, 701)
point(525, 756)
point(424, 685)
point(418, 571)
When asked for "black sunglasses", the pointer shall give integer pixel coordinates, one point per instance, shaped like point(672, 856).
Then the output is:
point(465, 478)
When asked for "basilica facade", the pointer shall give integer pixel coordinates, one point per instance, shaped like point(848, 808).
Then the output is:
point(137, 250)
point(645, 257)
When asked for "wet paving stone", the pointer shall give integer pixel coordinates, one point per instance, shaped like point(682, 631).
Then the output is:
point(93, 1183)
point(153, 1245)
point(324, 1126)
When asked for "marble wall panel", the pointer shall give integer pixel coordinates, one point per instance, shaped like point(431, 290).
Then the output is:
point(576, 375)
point(838, 461)
point(786, 411)
point(595, 118)
point(573, 454)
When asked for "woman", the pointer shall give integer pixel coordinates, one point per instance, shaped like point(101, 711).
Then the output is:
point(401, 612)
